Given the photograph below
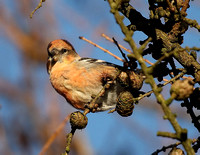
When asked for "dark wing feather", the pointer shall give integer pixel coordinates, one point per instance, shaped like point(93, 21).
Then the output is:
point(97, 61)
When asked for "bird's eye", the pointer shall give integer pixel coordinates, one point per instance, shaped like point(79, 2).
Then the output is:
point(64, 50)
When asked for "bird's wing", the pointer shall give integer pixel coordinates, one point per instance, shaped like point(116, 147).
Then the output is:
point(93, 62)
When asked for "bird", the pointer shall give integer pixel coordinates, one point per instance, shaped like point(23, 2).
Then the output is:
point(79, 79)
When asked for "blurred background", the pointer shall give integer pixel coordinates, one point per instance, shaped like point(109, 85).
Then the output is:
point(31, 110)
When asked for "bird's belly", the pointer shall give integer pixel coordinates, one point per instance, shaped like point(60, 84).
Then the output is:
point(79, 87)
point(78, 97)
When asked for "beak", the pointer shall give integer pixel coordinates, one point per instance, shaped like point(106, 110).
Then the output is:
point(49, 65)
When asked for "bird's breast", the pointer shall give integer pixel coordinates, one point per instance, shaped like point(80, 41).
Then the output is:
point(78, 85)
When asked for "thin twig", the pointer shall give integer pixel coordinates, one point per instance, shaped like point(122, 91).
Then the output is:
point(111, 40)
point(162, 58)
point(38, 6)
point(54, 135)
point(164, 84)
point(146, 60)
point(121, 46)
point(166, 147)
point(116, 43)
point(149, 62)
point(170, 146)
point(192, 48)
point(167, 134)
point(69, 140)
point(103, 49)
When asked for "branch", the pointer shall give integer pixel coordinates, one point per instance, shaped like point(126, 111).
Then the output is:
point(115, 6)
point(38, 6)
point(167, 134)
point(137, 20)
point(152, 29)
point(185, 6)
point(164, 84)
point(181, 55)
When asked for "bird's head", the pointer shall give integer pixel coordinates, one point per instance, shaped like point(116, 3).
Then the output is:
point(57, 50)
